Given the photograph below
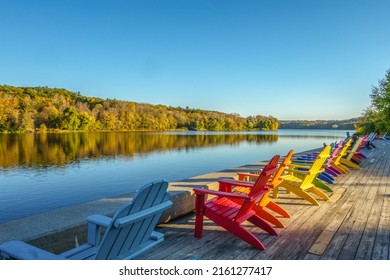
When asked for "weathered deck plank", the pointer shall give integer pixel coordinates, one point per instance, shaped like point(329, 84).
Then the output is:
point(367, 241)
point(354, 224)
point(345, 218)
point(382, 238)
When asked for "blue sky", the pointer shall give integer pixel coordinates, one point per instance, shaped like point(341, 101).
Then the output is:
point(291, 59)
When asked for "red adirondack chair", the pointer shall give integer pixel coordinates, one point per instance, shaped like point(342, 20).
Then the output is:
point(229, 214)
point(242, 185)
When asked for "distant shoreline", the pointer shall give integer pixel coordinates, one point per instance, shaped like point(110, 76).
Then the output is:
point(57, 131)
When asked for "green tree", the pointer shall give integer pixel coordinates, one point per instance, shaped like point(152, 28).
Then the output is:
point(28, 109)
point(376, 118)
point(70, 119)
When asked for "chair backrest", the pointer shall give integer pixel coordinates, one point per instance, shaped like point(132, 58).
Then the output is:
point(342, 152)
point(335, 152)
point(275, 179)
point(354, 148)
point(363, 143)
point(258, 189)
point(371, 136)
point(317, 166)
point(133, 224)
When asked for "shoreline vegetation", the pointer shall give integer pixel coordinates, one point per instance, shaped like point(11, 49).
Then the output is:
point(43, 109)
point(42, 150)
point(319, 124)
point(55, 110)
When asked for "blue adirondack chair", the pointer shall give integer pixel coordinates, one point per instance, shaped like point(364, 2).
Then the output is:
point(129, 233)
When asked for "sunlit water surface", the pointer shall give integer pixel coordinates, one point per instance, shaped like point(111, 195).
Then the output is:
point(40, 173)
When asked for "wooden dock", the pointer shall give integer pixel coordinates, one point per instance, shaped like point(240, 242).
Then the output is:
point(354, 224)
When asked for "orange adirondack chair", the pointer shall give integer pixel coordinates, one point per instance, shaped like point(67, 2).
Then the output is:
point(243, 186)
point(230, 215)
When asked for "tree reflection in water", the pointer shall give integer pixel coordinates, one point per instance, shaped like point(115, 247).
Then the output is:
point(44, 172)
point(56, 149)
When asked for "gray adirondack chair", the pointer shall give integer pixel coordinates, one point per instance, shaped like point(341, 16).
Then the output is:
point(129, 233)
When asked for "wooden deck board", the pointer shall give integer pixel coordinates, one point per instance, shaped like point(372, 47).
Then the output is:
point(382, 238)
point(367, 241)
point(349, 211)
point(353, 224)
point(361, 210)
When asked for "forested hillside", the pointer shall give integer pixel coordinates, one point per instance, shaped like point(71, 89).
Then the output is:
point(319, 124)
point(29, 109)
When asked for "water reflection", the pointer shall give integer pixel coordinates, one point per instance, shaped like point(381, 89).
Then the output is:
point(44, 150)
point(44, 172)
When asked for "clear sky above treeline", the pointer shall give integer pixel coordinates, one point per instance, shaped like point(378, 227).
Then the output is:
point(299, 59)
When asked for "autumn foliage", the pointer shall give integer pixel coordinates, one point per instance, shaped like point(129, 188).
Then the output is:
point(29, 109)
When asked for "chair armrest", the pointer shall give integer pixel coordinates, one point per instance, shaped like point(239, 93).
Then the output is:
point(137, 216)
point(273, 184)
point(95, 224)
point(299, 166)
point(199, 191)
point(305, 172)
point(305, 161)
point(296, 171)
point(22, 251)
point(248, 174)
point(237, 183)
point(99, 220)
point(243, 175)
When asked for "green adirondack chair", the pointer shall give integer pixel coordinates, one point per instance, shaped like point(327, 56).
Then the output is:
point(129, 233)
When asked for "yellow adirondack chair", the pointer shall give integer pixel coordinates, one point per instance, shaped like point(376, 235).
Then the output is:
point(244, 186)
point(303, 184)
point(336, 162)
point(347, 159)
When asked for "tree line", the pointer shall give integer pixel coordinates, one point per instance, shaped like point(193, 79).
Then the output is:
point(319, 124)
point(376, 117)
point(30, 109)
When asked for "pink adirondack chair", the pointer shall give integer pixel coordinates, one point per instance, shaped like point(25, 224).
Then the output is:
point(230, 215)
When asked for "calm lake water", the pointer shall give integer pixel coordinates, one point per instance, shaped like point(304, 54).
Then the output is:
point(43, 172)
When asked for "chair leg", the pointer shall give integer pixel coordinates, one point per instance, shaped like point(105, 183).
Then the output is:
point(264, 225)
point(199, 226)
point(318, 192)
point(268, 217)
point(275, 192)
point(350, 164)
point(247, 236)
point(321, 185)
point(199, 212)
point(278, 209)
point(341, 168)
point(237, 230)
point(305, 195)
point(333, 171)
point(325, 177)
point(356, 158)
